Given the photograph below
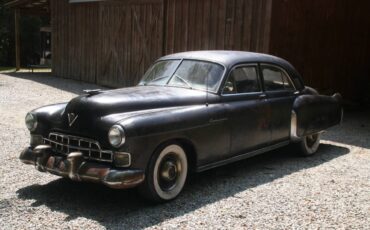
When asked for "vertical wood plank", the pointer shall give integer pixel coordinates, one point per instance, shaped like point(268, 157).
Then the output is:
point(17, 40)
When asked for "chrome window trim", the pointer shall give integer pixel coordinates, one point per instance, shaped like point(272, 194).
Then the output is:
point(241, 66)
point(281, 69)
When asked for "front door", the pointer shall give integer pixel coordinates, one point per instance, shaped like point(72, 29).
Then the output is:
point(248, 110)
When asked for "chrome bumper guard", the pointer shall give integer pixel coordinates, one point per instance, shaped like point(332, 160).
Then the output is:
point(76, 168)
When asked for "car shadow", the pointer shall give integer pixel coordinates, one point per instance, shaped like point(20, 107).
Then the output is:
point(68, 85)
point(355, 129)
point(125, 209)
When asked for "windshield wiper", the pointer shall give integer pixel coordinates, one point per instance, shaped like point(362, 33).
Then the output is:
point(183, 80)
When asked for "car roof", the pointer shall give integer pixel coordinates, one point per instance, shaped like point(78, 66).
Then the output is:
point(224, 57)
point(232, 58)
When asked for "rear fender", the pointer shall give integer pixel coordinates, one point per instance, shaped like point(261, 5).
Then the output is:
point(315, 113)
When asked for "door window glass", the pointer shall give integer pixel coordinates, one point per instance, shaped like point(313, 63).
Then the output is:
point(242, 80)
point(275, 79)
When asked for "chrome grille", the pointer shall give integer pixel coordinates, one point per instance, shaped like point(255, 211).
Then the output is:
point(65, 144)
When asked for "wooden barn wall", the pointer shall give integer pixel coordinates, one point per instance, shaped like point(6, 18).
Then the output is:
point(112, 43)
point(327, 41)
point(131, 38)
point(74, 40)
point(217, 24)
point(109, 43)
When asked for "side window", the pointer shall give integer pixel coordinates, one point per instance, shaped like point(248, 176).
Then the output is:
point(242, 80)
point(275, 79)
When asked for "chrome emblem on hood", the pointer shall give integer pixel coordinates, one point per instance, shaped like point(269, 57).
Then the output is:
point(72, 118)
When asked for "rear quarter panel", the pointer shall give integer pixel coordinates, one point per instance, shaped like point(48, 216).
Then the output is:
point(316, 113)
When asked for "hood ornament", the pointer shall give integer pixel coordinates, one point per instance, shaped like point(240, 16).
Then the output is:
point(92, 92)
point(72, 118)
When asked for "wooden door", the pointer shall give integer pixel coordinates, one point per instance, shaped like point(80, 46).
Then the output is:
point(131, 38)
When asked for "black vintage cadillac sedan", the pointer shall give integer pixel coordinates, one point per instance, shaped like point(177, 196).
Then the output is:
point(191, 112)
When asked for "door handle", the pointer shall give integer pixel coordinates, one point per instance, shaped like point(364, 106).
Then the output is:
point(262, 96)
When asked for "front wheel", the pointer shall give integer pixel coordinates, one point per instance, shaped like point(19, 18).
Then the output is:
point(309, 144)
point(166, 174)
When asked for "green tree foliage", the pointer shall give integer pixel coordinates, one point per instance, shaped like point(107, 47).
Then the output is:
point(29, 34)
point(6, 37)
point(30, 40)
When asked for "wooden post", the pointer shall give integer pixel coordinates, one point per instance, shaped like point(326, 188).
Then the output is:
point(17, 40)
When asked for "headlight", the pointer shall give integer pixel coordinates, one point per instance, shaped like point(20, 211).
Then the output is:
point(116, 136)
point(31, 122)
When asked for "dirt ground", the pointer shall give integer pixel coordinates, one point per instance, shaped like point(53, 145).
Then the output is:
point(277, 190)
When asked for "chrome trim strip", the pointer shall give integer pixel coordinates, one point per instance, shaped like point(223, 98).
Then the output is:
point(294, 127)
point(242, 156)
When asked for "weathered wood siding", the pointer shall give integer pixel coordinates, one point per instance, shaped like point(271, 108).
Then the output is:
point(113, 42)
point(131, 38)
point(109, 43)
point(74, 40)
point(217, 24)
point(327, 41)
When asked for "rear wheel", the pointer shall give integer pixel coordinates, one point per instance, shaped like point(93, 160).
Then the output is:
point(166, 174)
point(309, 144)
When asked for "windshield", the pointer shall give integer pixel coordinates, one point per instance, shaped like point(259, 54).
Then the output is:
point(190, 74)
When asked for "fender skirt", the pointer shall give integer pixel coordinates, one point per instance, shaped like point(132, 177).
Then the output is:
point(315, 113)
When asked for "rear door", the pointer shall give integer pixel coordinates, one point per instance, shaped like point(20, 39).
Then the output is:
point(280, 93)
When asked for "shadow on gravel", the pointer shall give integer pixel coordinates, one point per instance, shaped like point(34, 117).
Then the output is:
point(127, 210)
point(355, 129)
point(67, 85)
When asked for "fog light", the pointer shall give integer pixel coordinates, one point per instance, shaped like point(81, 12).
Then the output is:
point(36, 140)
point(122, 159)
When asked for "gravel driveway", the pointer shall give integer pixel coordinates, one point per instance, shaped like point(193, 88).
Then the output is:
point(273, 191)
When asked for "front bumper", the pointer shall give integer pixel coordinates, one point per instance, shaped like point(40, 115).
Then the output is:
point(76, 168)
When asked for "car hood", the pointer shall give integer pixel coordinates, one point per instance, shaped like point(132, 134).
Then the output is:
point(89, 114)
point(133, 99)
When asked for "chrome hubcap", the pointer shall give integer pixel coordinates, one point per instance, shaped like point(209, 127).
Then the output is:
point(169, 172)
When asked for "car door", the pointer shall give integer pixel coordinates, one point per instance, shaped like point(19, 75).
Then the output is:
point(280, 92)
point(248, 110)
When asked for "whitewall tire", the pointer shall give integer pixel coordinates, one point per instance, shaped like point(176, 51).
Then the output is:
point(310, 144)
point(166, 174)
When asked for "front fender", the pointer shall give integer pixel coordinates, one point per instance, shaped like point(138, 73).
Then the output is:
point(145, 132)
point(166, 121)
point(48, 116)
